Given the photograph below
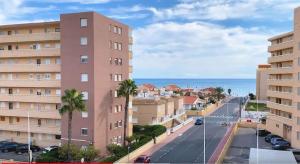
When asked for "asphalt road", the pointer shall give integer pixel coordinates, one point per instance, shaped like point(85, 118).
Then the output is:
point(189, 146)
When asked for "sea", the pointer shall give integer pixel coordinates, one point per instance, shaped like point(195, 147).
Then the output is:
point(239, 87)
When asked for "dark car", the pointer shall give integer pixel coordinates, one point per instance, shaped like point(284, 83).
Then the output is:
point(270, 136)
point(275, 140)
point(281, 145)
point(142, 159)
point(9, 146)
point(3, 142)
point(24, 148)
point(262, 132)
point(198, 121)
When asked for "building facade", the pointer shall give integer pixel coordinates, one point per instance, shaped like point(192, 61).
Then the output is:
point(262, 76)
point(284, 85)
point(38, 61)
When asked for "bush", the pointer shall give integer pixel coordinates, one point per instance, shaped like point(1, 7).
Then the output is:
point(149, 130)
point(193, 108)
point(89, 154)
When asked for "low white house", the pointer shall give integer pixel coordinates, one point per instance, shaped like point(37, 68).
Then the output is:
point(192, 102)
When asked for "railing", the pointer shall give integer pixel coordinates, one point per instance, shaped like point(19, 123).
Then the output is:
point(29, 37)
point(33, 127)
point(30, 52)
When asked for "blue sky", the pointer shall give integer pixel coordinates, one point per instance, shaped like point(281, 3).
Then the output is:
point(180, 38)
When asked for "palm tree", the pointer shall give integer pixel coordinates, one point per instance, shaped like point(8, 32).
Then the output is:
point(219, 91)
point(229, 91)
point(126, 89)
point(72, 101)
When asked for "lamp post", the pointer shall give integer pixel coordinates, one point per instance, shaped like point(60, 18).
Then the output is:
point(29, 139)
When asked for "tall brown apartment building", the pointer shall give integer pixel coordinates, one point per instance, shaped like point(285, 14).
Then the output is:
point(284, 84)
point(38, 61)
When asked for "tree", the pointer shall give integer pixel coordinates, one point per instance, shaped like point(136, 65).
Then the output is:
point(89, 154)
point(72, 101)
point(126, 89)
point(219, 91)
point(252, 96)
point(229, 91)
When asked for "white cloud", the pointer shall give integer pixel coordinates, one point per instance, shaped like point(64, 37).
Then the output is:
point(197, 50)
point(11, 10)
point(222, 9)
point(75, 1)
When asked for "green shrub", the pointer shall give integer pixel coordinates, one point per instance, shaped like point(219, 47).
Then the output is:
point(89, 154)
point(193, 108)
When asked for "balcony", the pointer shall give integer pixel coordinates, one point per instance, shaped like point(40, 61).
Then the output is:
point(286, 108)
point(30, 68)
point(130, 55)
point(281, 58)
point(280, 46)
point(281, 119)
point(30, 83)
point(49, 52)
point(280, 82)
point(130, 40)
point(33, 128)
point(130, 69)
point(34, 113)
point(34, 37)
point(30, 98)
point(278, 94)
point(281, 70)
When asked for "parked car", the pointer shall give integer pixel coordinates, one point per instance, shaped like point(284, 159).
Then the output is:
point(9, 146)
point(262, 132)
point(281, 145)
point(270, 136)
point(142, 159)
point(3, 142)
point(275, 140)
point(50, 148)
point(24, 148)
point(198, 121)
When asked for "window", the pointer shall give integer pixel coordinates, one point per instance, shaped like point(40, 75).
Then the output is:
point(47, 76)
point(120, 77)
point(130, 47)
point(57, 61)
point(39, 122)
point(47, 92)
point(116, 77)
point(47, 61)
point(58, 92)
point(57, 76)
point(84, 131)
point(18, 133)
point(115, 45)
point(298, 75)
point(84, 114)
point(18, 119)
point(115, 29)
point(83, 41)
point(298, 120)
point(298, 135)
point(10, 105)
point(120, 61)
point(84, 77)
point(83, 22)
point(85, 95)
point(2, 118)
point(84, 59)
point(119, 46)
point(298, 105)
point(119, 30)
point(116, 93)
point(57, 29)
point(277, 126)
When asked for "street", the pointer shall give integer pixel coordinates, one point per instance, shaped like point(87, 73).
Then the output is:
point(189, 147)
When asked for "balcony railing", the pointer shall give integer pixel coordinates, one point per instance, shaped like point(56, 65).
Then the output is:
point(34, 37)
point(33, 128)
point(284, 107)
point(34, 113)
point(280, 58)
point(31, 98)
point(30, 83)
point(280, 94)
point(280, 46)
point(30, 67)
point(49, 52)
